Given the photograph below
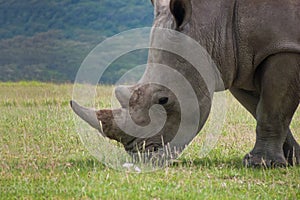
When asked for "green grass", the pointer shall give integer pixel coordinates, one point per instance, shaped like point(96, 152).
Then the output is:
point(42, 157)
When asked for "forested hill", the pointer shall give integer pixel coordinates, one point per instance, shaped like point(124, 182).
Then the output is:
point(47, 40)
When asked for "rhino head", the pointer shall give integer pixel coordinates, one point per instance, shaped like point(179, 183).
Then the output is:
point(159, 112)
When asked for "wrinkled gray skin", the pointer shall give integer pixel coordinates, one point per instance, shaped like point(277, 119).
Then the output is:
point(256, 46)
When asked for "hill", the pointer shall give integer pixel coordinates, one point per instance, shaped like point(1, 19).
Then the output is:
point(47, 40)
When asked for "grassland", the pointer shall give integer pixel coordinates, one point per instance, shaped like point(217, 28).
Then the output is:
point(42, 157)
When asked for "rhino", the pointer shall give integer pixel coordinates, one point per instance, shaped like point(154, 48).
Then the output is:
point(256, 47)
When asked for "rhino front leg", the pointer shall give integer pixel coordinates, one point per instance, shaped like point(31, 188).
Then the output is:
point(278, 78)
point(250, 101)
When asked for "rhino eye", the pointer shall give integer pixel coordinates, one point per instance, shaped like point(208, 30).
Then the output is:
point(163, 100)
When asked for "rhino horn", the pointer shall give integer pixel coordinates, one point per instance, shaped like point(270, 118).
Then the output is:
point(88, 115)
point(123, 94)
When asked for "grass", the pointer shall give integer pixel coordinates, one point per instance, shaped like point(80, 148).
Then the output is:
point(42, 157)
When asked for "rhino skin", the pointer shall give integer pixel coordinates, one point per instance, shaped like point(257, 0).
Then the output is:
point(256, 47)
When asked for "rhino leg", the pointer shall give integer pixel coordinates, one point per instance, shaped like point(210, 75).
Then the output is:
point(250, 101)
point(278, 81)
point(291, 148)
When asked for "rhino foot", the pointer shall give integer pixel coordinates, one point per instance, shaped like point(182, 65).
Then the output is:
point(292, 155)
point(256, 160)
point(291, 150)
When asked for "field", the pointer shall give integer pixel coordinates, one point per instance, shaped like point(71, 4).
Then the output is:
point(42, 157)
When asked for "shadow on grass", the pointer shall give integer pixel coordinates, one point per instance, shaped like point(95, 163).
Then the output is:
point(235, 162)
point(207, 162)
point(89, 164)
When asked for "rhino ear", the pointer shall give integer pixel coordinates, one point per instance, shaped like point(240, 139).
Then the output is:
point(182, 12)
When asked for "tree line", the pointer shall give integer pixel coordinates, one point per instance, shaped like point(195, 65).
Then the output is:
point(47, 40)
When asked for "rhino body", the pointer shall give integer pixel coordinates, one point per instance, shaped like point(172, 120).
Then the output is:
point(256, 47)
